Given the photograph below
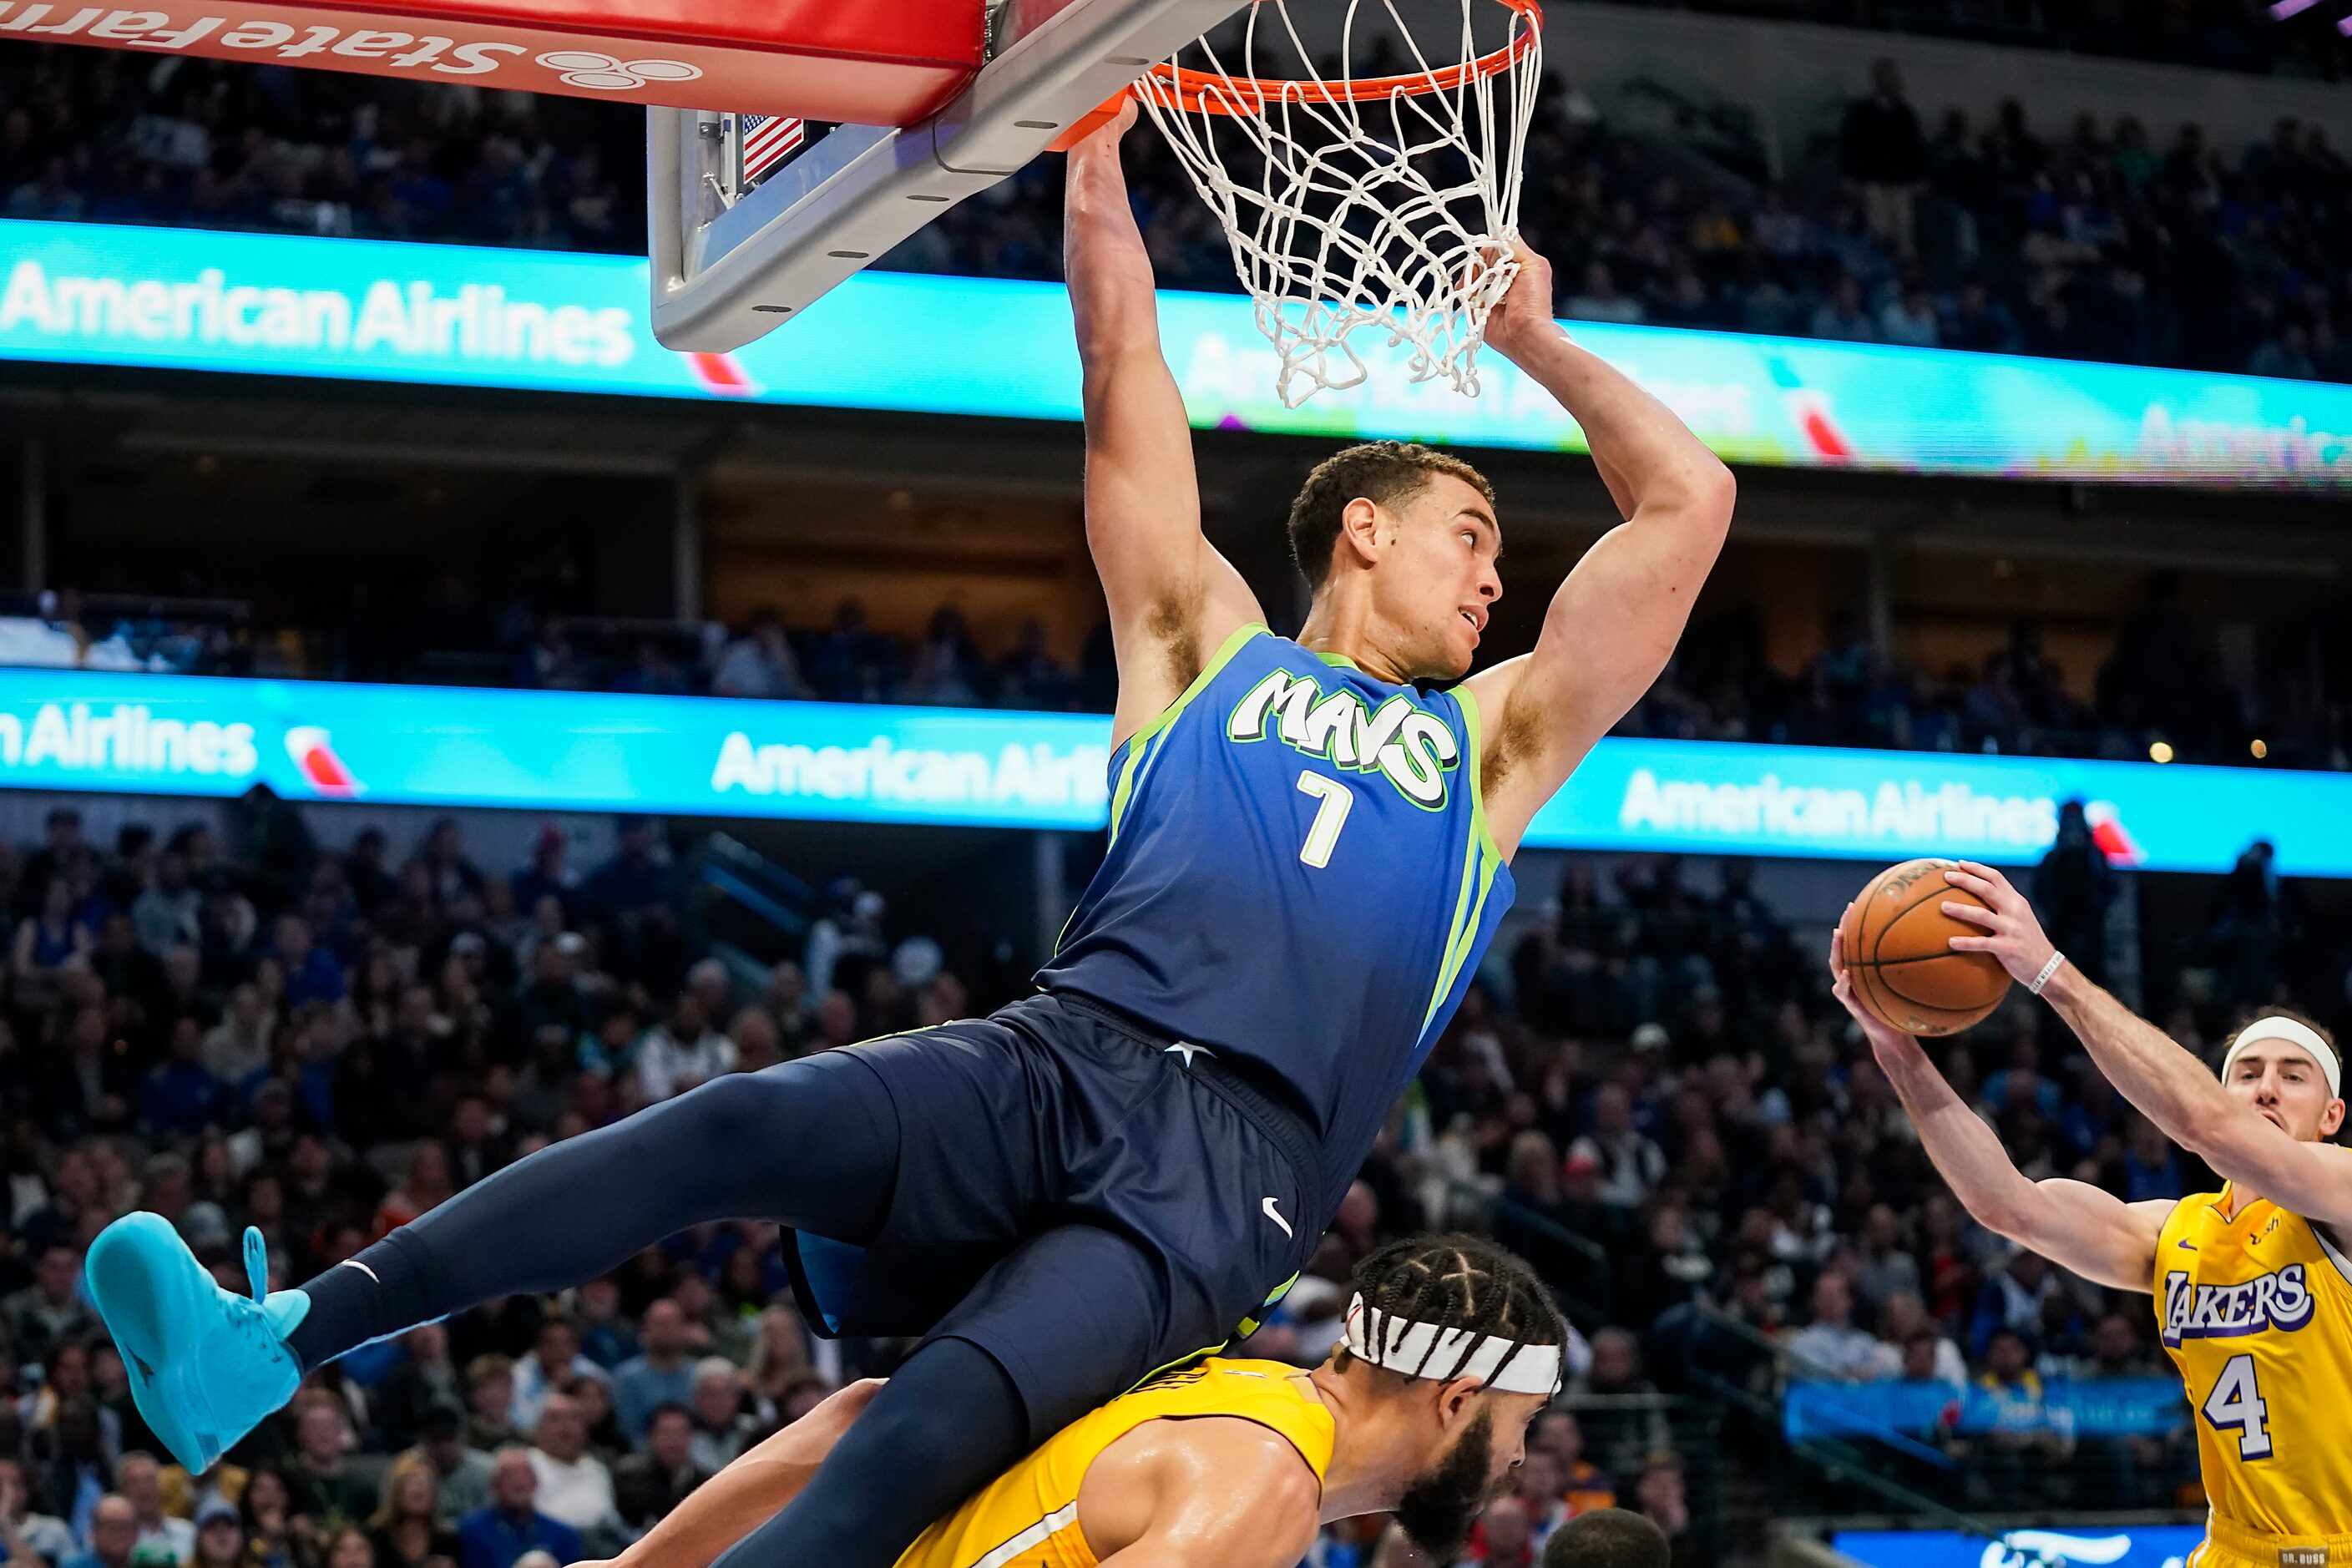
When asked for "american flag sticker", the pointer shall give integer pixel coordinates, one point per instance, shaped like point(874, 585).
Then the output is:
point(768, 140)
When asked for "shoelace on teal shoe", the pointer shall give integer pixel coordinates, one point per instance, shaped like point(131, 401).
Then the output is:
point(257, 1264)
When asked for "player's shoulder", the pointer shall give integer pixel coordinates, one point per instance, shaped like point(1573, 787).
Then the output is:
point(1219, 1489)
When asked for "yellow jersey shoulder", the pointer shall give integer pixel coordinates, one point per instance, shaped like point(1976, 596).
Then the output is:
point(1028, 1518)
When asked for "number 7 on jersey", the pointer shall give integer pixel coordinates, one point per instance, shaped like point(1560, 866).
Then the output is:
point(1333, 800)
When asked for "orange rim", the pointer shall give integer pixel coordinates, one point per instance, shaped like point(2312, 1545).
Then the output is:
point(1207, 93)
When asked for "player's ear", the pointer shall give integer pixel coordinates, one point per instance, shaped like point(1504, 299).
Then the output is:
point(2331, 1119)
point(1361, 530)
point(1457, 1402)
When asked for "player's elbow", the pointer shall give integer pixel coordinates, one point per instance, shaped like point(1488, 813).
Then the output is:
point(1714, 494)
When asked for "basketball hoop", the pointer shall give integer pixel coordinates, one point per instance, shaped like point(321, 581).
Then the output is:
point(1387, 201)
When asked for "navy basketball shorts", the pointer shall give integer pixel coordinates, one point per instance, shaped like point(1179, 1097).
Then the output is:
point(1085, 1200)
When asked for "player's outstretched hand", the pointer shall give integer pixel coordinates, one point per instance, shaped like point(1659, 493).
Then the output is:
point(2011, 934)
point(1523, 315)
point(1893, 1048)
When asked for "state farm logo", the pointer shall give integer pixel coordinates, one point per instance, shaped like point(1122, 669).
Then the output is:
point(603, 73)
point(293, 34)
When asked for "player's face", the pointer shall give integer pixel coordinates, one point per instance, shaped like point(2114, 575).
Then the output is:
point(1438, 1508)
point(1440, 580)
point(2283, 1085)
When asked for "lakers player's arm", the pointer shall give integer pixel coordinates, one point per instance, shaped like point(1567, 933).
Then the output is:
point(1173, 599)
point(1614, 622)
point(2076, 1226)
point(1209, 1492)
point(751, 1490)
point(2165, 1083)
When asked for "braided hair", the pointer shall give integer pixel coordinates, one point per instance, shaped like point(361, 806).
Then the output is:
point(1454, 1282)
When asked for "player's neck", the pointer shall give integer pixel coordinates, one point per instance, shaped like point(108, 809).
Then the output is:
point(1375, 1450)
point(1341, 625)
point(2237, 1198)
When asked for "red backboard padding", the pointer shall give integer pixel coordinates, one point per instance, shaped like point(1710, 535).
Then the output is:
point(873, 62)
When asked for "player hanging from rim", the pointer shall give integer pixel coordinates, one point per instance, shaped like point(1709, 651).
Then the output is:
point(2253, 1291)
point(1451, 1347)
point(1309, 853)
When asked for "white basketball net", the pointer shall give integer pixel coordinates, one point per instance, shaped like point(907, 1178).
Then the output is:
point(1351, 206)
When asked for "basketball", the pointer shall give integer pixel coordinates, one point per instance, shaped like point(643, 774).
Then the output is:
point(1897, 940)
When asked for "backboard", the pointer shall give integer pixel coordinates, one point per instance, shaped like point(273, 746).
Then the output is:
point(730, 264)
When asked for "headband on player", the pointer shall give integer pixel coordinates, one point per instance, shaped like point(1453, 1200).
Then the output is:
point(1424, 1350)
point(2294, 1034)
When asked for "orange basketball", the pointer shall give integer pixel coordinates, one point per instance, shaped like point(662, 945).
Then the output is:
point(1898, 943)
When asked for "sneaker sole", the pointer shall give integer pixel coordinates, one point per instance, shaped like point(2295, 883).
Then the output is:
point(154, 1298)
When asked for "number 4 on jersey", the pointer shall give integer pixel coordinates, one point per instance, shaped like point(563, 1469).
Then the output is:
point(2237, 1405)
point(1334, 799)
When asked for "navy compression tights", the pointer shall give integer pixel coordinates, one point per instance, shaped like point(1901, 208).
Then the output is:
point(812, 1144)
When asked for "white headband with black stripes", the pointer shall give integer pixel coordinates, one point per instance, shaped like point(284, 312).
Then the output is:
point(1425, 1350)
point(2290, 1032)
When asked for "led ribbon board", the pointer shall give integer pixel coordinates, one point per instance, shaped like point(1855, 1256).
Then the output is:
point(455, 316)
point(719, 757)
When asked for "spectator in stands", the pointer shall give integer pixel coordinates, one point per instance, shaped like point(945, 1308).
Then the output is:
point(682, 1051)
point(722, 1427)
point(1505, 1536)
point(461, 1473)
point(512, 1526)
point(168, 910)
point(139, 1480)
point(49, 1313)
point(1629, 1163)
point(760, 663)
point(322, 1482)
point(489, 1402)
point(1831, 1346)
point(113, 1536)
point(220, 1536)
point(407, 1527)
point(44, 1535)
point(660, 1373)
point(648, 1485)
point(1663, 1500)
point(555, 1363)
point(574, 1486)
point(1584, 1485)
point(1883, 150)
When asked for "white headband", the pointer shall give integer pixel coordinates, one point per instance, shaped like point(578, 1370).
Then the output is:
point(1424, 1350)
point(2294, 1034)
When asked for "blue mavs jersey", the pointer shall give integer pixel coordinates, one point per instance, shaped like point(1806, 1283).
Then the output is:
point(1299, 873)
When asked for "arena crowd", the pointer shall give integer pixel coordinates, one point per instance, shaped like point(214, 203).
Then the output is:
point(323, 1041)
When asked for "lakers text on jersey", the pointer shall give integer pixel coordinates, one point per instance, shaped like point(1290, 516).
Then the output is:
point(2255, 1309)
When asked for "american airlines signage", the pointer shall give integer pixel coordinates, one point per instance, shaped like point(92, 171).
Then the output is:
point(285, 305)
point(89, 730)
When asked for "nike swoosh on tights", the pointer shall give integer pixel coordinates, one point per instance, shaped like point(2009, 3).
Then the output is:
point(355, 1263)
point(1275, 1215)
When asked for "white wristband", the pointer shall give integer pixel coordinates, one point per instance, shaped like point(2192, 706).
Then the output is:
point(2049, 969)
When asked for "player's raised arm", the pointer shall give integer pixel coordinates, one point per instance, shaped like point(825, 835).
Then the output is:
point(1615, 620)
point(2238, 1137)
point(1173, 599)
point(2075, 1224)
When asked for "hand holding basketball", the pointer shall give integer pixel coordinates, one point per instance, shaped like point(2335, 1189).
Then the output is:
point(1904, 957)
point(1993, 906)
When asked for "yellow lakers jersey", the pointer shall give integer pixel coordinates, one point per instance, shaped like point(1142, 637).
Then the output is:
point(2257, 1313)
point(1029, 1518)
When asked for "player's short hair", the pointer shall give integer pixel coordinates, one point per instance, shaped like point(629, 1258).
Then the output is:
point(1606, 1538)
point(1464, 1282)
point(1381, 472)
